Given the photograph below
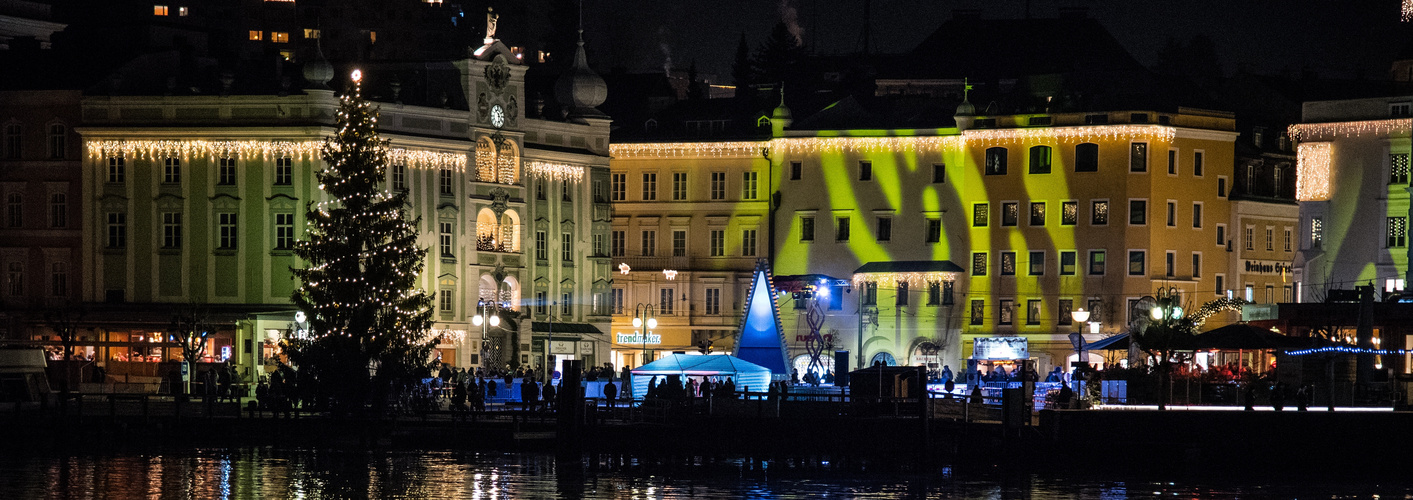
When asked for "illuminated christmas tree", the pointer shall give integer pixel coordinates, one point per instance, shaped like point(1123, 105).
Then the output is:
point(369, 319)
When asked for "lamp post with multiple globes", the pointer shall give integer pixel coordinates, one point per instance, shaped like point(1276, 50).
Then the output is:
point(644, 320)
point(486, 316)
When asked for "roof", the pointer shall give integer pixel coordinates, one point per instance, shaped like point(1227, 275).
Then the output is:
point(560, 327)
point(699, 365)
point(1247, 336)
point(1115, 343)
point(910, 266)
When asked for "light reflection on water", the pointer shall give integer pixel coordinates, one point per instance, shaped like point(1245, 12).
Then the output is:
point(317, 474)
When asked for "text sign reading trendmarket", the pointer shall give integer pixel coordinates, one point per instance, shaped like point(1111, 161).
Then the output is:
point(635, 338)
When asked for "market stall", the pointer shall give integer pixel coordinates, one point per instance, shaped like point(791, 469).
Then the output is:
point(744, 374)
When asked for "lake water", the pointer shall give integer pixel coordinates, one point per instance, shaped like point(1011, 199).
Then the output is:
point(314, 474)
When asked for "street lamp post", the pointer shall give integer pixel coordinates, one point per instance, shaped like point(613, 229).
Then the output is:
point(1079, 317)
point(1166, 313)
point(486, 314)
point(644, 320)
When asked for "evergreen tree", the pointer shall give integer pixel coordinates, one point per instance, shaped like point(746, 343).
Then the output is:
point(696, 90)
point(741, 72)
point(360, 287)
point(780, 57)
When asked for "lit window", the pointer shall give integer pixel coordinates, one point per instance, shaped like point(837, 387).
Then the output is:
point(287, 55)
point(279, 36)
point(159, 10)
point(256, 35)
point(181, 11)
point(312, 33)
point(372, 37)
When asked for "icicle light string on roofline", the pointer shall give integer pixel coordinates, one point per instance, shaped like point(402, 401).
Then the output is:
point(1316, 131)
point(805, 145)
point(554, 171)
point(185, 149)
point(891, 280)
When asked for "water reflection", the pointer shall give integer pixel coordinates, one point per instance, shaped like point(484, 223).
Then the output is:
point(317, 474)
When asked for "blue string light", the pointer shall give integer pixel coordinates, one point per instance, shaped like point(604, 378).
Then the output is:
point(1349, 350)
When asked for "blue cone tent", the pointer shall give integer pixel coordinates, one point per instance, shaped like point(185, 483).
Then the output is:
point(743, 373)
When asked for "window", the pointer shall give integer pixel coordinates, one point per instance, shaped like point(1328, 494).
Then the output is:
point(934, 230)
point(59, 279)
point(1037, 213)
point(16, 278)
point(978, 264)
point(598, 191)
point(58, 210)
point(617, 301)
point(1197, 163)
point(1286, 240)
point(226, 229)
point(1172, 214)
point(978, 312)
point(14, 141)
point(717, 242)
point(796, 170)
point(1010, 213)
point(256, 36)
point(718, 185)
point(444, 181)
point(566, 247)
point(748, 185)
point(618, 186)
point(1086, 157)
point(57, 134)
point(1250, 238)
point(1400, 109)
point(448, 300)
point(664, 303)
point(1172, 162)
point(14, 210)
point(1278, 180)
point(901, 295)
point(1069, 260)
point(1137, 212)
point(618, 243)
point(1397, 232)
point(1138, 157)
point(171, 230)
point(1032, 312)
point(284, 231)
point(1063, 310)
point(1317, 232)
point(649, 243)
point(172, 171)
point(650, 187)
point(996, 161)
point(1040, 159)
point(1221, 235)
point(713, 301)
point(948, 289)
point(225, 171)
point(1221, 281)
point(1250, 179)
point(865, 170)
point(541, 303)
point(1270, 294)
point(444, 239)
point(1170, 264)
point(160, 10)
point(1222, 186)
point(679, 243)
point(540, 190)
point(284, 172)
point(312, 34)
point(399, 177)
point(748, 243)
point(1197, 215)
point(1037, 263)
point(541, 245)
point(870, 293)
point(679, 186)
point(885, 228)
point(1099, 213)
point(1005, 312)
point(117, 169)
point(1137, 259)
point(1398, 168)
point(1196, 265)
point(117, 230)
point(1008, 263)
point(1069, 213)
point(806, 228)
point(599, 249)
point(980, 215)
point(279, 36)
point(1096, 262)
point(939, 173)
point(934, 292)
point(1270, 239)
point(841, 229)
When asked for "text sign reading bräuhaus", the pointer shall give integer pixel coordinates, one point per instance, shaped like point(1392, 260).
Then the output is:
point(1267, 267)
point(635, 338)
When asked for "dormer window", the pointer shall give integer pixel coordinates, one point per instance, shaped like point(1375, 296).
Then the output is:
point(1400, 109)
point(650, 125)
point(763, 121)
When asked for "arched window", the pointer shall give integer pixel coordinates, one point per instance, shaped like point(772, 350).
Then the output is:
point(499, 163)
point(1040, 160)
point(1086, 157)
point(497, 234)
point(996, 161)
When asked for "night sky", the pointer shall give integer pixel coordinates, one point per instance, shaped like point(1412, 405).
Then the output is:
point(1333, 38)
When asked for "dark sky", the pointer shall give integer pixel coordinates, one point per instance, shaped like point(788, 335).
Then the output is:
point(1331, 37)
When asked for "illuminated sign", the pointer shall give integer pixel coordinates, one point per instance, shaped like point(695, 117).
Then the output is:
point(225, 352)
point(634, 338)
point(1267, 267)
point(1001, 348)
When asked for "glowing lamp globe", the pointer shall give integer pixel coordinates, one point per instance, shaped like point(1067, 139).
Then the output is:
point(1080, 315)
point(1177, 312)
point(1156, 312)
point(477, 320)
point(637, 322)
point(652, 322)
point(495, 320)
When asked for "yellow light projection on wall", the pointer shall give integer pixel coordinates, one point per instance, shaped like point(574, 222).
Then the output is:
point(1312, 162)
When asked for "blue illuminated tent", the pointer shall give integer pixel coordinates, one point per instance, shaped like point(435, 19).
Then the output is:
point(743, 373)
point(762, 340)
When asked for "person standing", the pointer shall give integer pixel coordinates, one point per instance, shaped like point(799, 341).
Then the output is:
point(529, 393)
point(610, 394)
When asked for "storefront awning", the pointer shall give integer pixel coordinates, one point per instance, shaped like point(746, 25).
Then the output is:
point(579, 328)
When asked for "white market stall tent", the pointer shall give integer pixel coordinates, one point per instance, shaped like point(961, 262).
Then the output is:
point(718, 366)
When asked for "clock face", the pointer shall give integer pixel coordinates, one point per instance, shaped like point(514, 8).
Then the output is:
point(497, 116)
